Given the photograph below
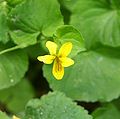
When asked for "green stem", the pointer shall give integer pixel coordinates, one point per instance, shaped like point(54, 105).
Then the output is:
point(10, 49)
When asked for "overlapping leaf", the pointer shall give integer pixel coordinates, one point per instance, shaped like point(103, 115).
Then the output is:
point(107, 112)
point(23, 39)
point(96, 72)
point(68, 33)
point(54, 105)
point(13, 66)
point(94, 76)
point(37, 15)
point(16, 97)
point(98, 20)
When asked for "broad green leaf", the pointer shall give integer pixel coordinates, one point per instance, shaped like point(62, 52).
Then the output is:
point(37, 15)
point(23, 39)
point(13, 66)
point(93, 77)
point(98, 20)
point(53, 106)
point(16, 97)
point(3, 116)
point(68, 33)
point(3, 22)
point(107, 112)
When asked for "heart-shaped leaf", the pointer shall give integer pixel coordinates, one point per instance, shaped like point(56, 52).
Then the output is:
point(37, 15)
point(94, 76)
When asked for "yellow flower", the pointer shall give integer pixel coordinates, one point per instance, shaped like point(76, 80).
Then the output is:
point(14, 117)
point(60, 59)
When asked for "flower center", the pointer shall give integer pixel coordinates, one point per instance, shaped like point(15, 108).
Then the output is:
point(58, 66)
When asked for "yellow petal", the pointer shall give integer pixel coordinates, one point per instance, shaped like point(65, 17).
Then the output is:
point(47, 59)
point(58, 70)
point(14, 117)
point(65, 49)
point(52, 47)
point(66, 62)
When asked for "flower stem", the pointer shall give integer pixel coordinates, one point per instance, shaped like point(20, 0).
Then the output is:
point(9, 49)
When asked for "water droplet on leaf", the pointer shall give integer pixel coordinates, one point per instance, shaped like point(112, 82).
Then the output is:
point(41, 113)
point(11, 80)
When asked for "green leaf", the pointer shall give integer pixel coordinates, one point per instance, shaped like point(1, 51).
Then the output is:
point(68, 33)
point(3, 115)
point(55, 105)
point(23, 39)
point(16, 97)
point(107, 112)
point(37, 15)
point(99, 20)
point(14, 2)
point(93, 77)
point(13, 66)
point(3, 23)
point(117, 103)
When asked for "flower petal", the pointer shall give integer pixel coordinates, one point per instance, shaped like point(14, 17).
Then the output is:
point(52, 47)
point(65, 49)
point(66, 62)
point(58, 70)
point(47, 59)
